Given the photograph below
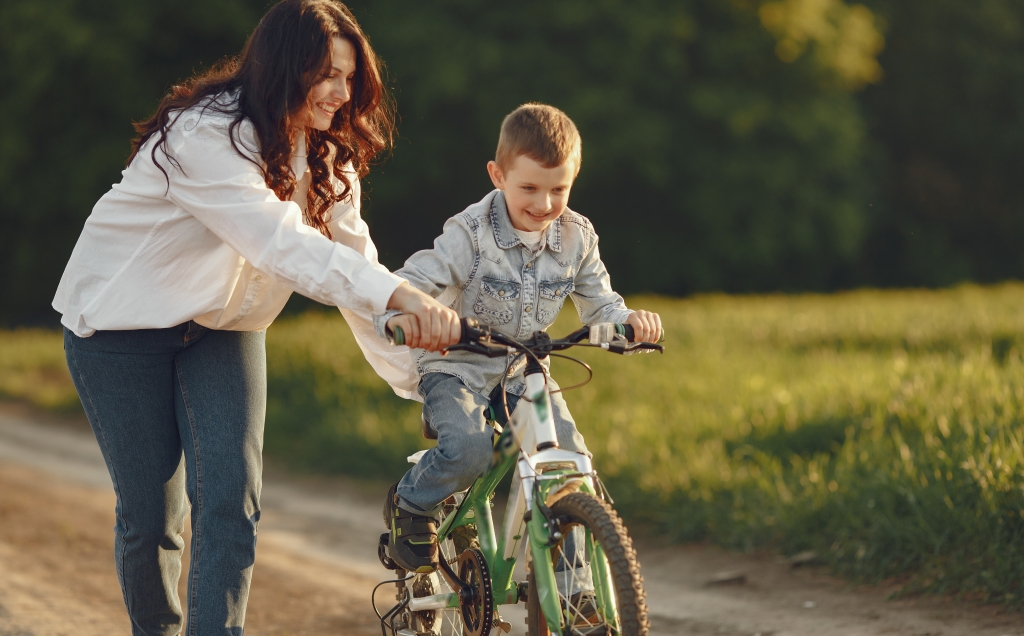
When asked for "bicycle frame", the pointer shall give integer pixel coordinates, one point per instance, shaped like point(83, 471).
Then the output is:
point(541, 477)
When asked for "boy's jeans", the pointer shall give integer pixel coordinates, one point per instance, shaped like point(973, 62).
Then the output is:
point(464, 451)
point(178, 412)
point(465, 444)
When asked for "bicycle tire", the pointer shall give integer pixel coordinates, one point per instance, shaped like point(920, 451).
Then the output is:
point(586, 510)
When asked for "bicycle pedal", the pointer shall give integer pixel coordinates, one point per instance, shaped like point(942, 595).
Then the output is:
point(382, 552)
point(502, 624)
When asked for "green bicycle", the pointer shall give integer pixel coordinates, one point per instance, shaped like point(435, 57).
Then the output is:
point(583, 577)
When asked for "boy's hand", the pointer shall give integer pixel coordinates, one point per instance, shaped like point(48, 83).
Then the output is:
point(646, 326)
point(427, 323)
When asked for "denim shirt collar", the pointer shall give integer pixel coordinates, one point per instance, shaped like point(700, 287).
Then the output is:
point(505, 235)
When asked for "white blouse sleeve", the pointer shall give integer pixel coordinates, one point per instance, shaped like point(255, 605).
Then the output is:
point(394, 364)
point(227, 194)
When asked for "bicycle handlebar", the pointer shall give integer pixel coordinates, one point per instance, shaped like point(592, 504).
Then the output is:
point(482, 339)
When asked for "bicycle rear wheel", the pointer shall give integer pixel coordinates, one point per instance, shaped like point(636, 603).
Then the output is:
point(604, 594)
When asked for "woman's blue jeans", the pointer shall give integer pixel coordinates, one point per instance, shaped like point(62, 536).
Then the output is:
point(179, 413)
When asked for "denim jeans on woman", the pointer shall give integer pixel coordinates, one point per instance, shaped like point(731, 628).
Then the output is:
point(178, 414)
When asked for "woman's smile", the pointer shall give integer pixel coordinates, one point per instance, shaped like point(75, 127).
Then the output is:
point(328, 110)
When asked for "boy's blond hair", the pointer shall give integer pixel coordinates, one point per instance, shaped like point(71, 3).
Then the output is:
point(542, 133)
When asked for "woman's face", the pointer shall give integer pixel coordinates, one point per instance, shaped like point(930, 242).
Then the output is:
point(326, 97)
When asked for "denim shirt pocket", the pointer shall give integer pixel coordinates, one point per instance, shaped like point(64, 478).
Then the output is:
point(497, 300)
point(552, 295)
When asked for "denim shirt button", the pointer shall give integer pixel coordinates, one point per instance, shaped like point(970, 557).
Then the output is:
point(529, 265)
point(501, 292)
point(529, 308)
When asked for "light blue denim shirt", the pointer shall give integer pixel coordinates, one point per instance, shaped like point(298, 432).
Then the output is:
point(480, 268)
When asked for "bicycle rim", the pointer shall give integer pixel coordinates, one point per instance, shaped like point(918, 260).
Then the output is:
point(599, 586)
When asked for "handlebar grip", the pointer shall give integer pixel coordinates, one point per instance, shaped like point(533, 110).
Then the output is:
point(630, 335)
point(470, 331)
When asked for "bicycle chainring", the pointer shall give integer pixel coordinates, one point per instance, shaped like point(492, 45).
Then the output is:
point(478, 609)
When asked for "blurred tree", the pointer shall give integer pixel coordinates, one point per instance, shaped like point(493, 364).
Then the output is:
point(710, 162)
point(723, 146)
point(75, 74)
point(845, 39)
point(950, 116)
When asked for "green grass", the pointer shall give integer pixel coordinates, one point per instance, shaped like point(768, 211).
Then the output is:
point(882, 429)
point(33, 370)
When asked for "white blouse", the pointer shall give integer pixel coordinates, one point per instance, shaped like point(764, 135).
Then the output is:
point(214, 244)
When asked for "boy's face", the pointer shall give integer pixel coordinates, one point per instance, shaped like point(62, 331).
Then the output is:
point(535, 195)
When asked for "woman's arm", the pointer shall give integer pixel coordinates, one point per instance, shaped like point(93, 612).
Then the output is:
point(227, 193)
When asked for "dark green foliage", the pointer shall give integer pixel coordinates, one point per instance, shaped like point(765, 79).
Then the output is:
point(709, 164)
point(76, 73)
point(950, 117)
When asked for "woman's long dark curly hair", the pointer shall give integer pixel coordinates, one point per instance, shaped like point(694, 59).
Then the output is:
point(287, 54)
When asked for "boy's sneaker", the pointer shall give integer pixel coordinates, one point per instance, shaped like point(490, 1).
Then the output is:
point(413, 540)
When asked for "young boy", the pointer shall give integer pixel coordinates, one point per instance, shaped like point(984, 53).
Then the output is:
point(509, 261)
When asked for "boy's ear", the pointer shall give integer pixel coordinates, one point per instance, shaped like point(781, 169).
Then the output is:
point(497, 176)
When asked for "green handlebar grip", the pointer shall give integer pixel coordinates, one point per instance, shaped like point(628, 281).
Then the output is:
point(399, 335)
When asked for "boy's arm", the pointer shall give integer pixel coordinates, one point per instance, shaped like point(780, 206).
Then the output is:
point(450, 263)
point(595, 299)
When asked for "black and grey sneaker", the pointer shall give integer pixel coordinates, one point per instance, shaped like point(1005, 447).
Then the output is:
point(413, 540)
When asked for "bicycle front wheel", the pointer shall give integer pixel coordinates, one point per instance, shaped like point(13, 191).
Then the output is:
point(597, 575)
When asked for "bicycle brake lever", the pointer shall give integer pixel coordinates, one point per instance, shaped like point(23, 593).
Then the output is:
point(644, 347)
point(632, 347)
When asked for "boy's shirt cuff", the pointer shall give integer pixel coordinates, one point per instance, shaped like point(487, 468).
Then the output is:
point(380, 322)
point(620, 315)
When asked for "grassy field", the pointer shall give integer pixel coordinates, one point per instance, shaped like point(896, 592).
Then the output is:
point(882, 429)
point(33, 370)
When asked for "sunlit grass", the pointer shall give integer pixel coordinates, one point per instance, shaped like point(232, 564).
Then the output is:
point(32, 369)
point(882, 429)
point(879, 428)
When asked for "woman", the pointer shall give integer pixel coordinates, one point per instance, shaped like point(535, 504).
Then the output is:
point(243, 187)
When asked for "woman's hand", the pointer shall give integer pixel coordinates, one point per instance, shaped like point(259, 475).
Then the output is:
point(427, 323)
point(646, 326)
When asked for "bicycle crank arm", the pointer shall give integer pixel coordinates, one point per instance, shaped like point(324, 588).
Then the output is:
point(435, 602)
point(454, 581)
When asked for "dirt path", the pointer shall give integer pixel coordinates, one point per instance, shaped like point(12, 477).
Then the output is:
point(316, 562)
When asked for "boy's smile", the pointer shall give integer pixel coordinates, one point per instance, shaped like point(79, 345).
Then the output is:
point(535, 195)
